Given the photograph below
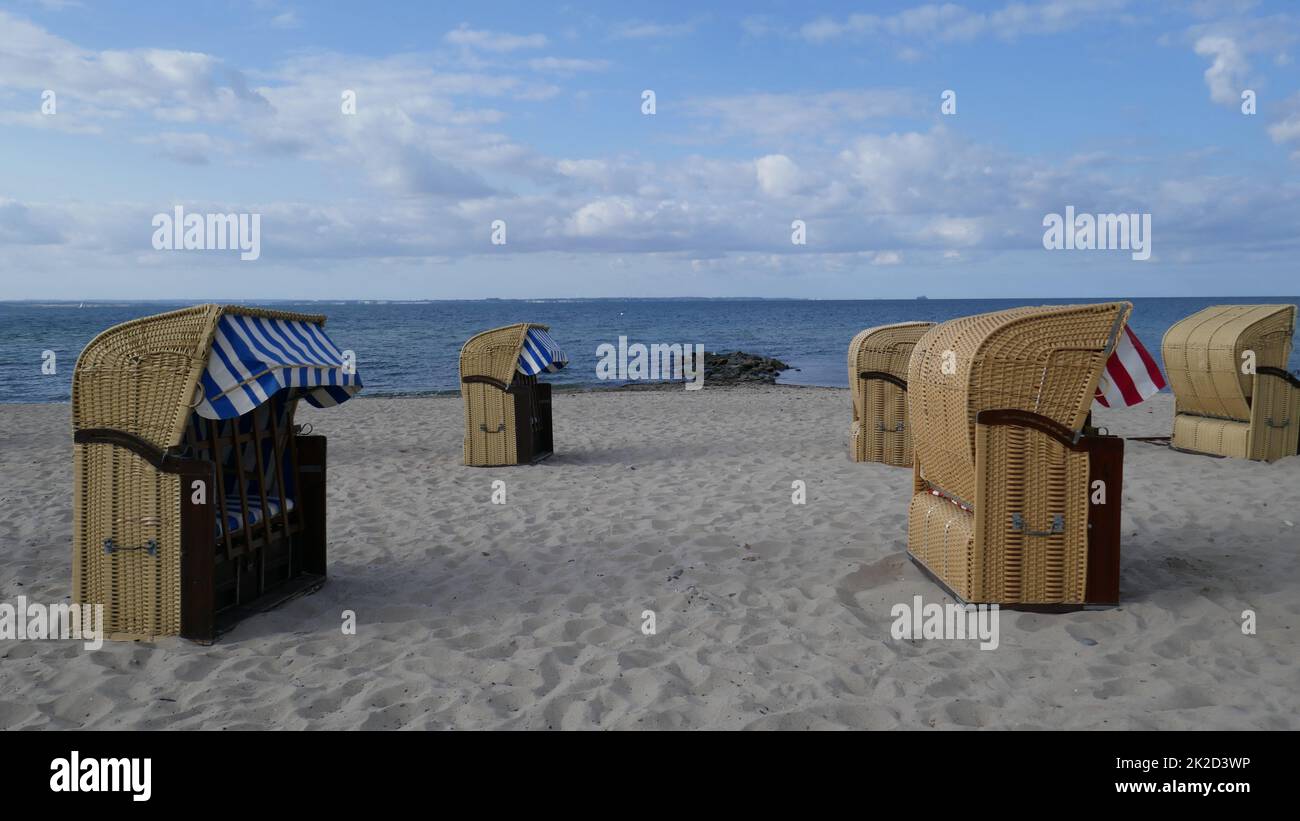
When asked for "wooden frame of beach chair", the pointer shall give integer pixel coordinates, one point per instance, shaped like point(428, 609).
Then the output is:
point(160, 538)
point(878, 360)
point(1221, 406)
point(1014, 502)
point(507, 414)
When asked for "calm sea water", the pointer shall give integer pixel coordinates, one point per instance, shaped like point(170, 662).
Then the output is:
point(412, 347)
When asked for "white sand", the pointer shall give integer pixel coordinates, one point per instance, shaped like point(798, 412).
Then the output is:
point(770, 615)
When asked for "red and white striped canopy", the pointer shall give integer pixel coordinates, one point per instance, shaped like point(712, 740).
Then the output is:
point(1131, 375)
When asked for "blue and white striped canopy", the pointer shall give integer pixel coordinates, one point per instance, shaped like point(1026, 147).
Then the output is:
point(540, 353)
point(254, 357)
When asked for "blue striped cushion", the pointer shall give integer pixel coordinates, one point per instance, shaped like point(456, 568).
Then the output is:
point(234, 508)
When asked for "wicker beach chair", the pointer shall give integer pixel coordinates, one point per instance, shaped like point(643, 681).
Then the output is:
point(878, 380)
point(1015, 501)
point(507, 409)
point(196, 499)
point(1232, 393)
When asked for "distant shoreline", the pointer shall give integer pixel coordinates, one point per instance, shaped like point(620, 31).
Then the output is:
point(625, 387)
point(411, 348)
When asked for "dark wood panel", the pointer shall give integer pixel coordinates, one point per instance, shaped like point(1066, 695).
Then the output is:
point(164, 461)
point(1278, 373)
point(545, 435)
point(884, 377)
point(198, 557)
point(311, 452)
point(1106, 464)
point(1028, 419)
point(533, 435)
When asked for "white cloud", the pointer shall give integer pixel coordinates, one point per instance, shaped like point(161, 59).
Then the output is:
point(821, 114)
point(164, 83)
point(1218, 8)
point(69, 121)
point(759, 25)
point(286, 20)
point(1226, 76)
point(603, 217)
point(1232, 40)
point(642, 30)
point(496, 41)
point(950, 22)
point(1285, 130)
point(949, 231)
point(190, 148)
point(567, 65)
point(19, 226)
point(777, 175)
point(912, 172)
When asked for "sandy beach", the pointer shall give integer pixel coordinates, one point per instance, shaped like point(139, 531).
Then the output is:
point(768, 614)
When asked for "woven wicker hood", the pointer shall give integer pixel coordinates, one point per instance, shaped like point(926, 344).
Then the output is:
point(1203, 356)
point(140, 377)
point(1046, 360)
point(886, 348)
point(494, 354)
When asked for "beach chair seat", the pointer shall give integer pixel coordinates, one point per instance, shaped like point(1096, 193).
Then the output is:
point(197, 499)
point(1232, 393)
point(878, 360)
point(1015, 502)
point(1217, 437)
point(234, 519)
point(944, 537)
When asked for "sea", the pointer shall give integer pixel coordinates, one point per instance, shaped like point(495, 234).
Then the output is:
point(411, 348)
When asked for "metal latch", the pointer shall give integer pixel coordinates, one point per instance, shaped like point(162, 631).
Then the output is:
point(111, 547)
point(1018, 525)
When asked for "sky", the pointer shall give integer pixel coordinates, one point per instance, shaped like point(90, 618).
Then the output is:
point(920, 146)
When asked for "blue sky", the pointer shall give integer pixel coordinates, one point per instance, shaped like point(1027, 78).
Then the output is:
point(530, 113)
